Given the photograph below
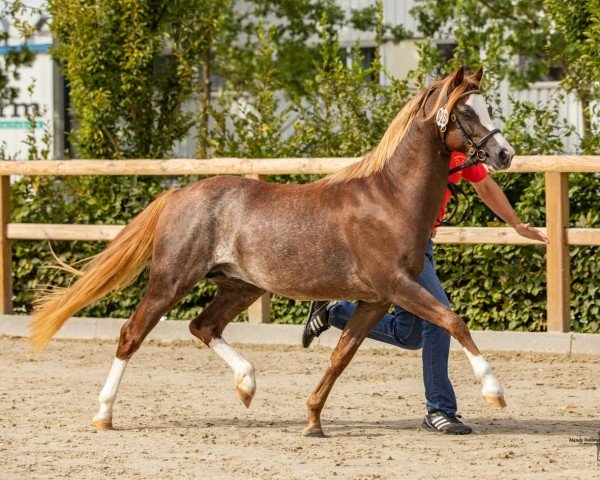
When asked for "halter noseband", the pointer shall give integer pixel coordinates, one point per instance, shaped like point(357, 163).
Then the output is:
point(476, 153)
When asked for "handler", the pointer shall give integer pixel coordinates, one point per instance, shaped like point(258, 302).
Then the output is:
point(406, 330)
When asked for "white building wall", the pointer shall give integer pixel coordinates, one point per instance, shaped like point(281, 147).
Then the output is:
point(395, 12)
point(400, 59)
point(40, 78)
point(15, 127)
point(546, 94)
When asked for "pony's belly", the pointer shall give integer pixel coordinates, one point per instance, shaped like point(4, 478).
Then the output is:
point(329, 295)
point(315, 289)
point(325, 289)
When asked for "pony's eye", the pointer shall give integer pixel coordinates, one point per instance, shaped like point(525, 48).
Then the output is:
point(466, 114)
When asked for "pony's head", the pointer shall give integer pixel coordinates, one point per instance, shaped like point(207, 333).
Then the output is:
point(463, 124)
point(464, 121)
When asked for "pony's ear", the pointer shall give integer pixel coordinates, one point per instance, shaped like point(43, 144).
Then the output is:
point(459, 76)
point(478, 75)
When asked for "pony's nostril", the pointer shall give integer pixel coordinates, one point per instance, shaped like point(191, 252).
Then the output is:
point(505, 155)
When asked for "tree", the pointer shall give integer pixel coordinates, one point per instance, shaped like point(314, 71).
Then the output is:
point(575, 46)
point(522, 40)
point(130, 65)
point(295, 29)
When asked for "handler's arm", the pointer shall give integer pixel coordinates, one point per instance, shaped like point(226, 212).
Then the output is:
point(493, 196)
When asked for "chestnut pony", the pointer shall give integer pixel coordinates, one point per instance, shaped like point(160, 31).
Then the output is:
point(360, 233)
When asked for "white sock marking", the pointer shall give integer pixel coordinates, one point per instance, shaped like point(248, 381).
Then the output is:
point(477, 103)
point(108, 394)
point(242, 368)
point(483, 371)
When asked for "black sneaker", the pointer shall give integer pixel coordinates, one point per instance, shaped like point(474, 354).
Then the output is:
point(438, 421)
point(317, 322)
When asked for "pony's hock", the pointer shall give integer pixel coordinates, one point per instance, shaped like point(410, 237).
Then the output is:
point(376, 217)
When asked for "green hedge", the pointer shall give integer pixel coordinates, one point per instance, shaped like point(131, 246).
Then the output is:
point(341, 112)
point(492, 287)
point(504, 287)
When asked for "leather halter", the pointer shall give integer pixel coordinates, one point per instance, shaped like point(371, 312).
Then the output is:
point(476, 154)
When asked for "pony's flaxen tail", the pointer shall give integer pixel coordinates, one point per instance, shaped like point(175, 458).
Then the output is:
point(112, 269)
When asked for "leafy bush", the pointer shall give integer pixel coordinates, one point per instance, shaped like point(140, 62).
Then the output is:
point(503, 287)
point(338, 111)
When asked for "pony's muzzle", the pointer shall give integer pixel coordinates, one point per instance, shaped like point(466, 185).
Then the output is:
point(501, 158)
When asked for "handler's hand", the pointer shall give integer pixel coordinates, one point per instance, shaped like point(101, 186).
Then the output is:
point(526, 230)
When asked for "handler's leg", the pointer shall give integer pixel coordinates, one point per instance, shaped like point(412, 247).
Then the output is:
point(436, 346)
point(401, 329)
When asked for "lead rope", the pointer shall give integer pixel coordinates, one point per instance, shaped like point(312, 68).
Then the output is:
point(455, 191)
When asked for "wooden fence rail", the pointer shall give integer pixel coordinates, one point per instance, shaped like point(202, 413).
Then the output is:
point(556, 169)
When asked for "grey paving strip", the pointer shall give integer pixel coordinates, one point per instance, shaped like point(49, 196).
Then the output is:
point(79, 328)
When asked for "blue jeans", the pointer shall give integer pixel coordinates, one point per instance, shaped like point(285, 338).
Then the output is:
point(406, 330)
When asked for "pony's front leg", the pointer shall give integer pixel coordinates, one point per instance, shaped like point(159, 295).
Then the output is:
point(418, 300)
point(492, 390)
point(357, 328)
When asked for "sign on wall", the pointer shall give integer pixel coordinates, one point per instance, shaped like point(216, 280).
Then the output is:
point(29, 117)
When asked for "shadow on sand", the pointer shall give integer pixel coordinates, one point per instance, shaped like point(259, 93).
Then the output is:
point(482, 426)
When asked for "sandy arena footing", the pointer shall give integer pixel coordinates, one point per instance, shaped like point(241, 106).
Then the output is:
point(177, 416)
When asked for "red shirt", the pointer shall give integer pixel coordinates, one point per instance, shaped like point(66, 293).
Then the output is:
point(473, 174)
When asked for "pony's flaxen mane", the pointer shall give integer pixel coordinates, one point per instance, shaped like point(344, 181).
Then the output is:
point(375, 160)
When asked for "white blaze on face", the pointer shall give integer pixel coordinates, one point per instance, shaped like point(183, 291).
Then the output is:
point(109, 392)
point(483, 371)
point(242, 368)
point(477, 103)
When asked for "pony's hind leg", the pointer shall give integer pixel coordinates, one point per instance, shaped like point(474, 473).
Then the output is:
point(165, 288)
point(232, 298)
point(132, 334)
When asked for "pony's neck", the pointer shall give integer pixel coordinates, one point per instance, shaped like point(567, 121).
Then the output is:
point(421, 145)
point(419, 170)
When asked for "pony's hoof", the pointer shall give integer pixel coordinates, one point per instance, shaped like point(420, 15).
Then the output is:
point(100, 425)
point(496, 401)
point(245, 397)
point(313, 432)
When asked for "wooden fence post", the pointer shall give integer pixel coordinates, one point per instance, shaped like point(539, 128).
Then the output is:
point(259, 311)
point(557, 257)
point(5, 254)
